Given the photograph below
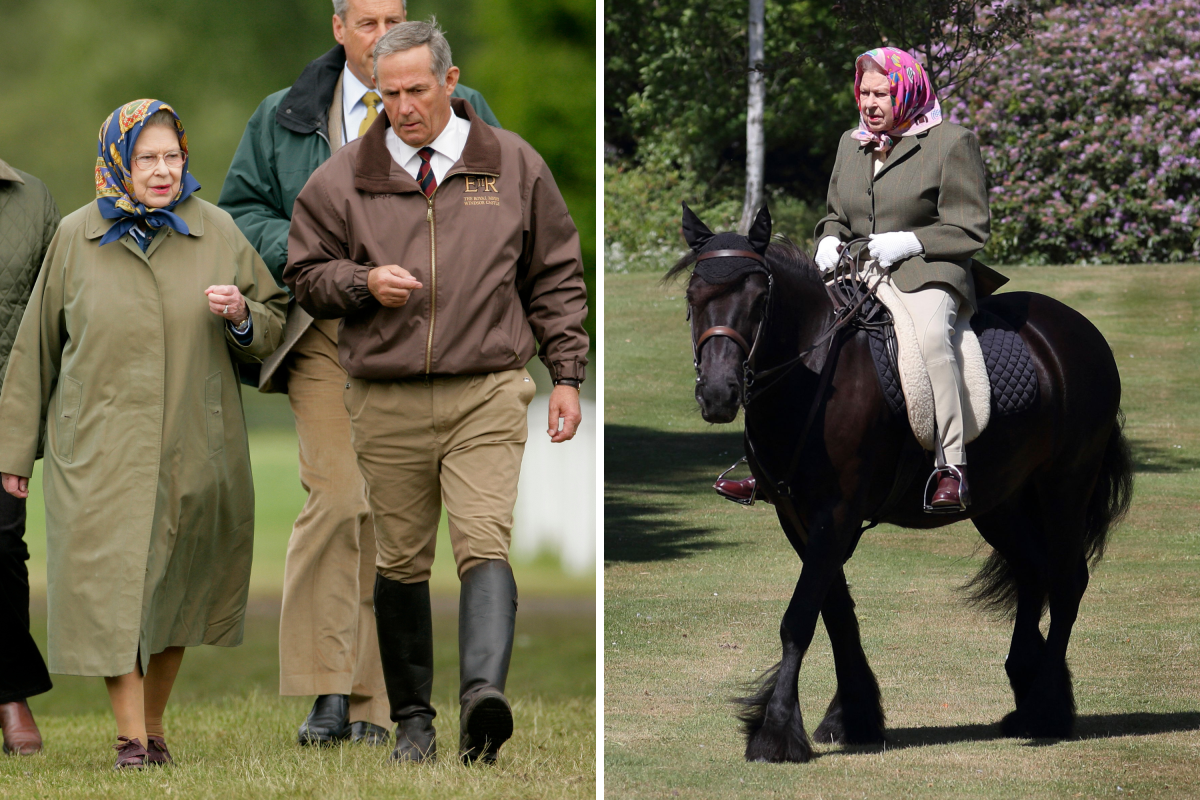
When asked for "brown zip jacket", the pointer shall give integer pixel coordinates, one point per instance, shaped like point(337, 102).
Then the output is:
point(495, 250)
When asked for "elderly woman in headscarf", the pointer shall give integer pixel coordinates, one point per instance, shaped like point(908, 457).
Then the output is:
point(125, 360)
point(915, 186)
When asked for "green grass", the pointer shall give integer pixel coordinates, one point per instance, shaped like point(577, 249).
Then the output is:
point(233, 736)
point(695, 588)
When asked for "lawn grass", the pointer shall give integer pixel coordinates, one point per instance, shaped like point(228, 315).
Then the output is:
point(695, 588)
point(234, 737)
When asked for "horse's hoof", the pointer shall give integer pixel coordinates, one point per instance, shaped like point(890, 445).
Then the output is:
point(840, 728)
point(779, 746)
point(1023, 725)
point(831, 730)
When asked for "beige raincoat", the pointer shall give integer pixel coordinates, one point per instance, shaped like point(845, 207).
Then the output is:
point(149, 499)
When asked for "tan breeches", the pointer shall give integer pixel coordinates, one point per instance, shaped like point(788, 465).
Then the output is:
point(327, 638)
point(935, 312)
point(453, 440)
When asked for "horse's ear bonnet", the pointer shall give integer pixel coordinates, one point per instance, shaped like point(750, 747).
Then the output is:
point(723, 269)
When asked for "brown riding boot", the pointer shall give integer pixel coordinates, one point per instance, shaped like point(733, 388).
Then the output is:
point(950, 492)
point(21, 735)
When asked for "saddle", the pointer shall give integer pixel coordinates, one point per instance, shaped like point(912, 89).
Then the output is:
point(998, 374)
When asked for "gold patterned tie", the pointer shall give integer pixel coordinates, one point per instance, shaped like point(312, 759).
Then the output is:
point(372, 100)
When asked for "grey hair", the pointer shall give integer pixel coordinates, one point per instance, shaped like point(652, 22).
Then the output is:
point(408, 35)
point(341, 6)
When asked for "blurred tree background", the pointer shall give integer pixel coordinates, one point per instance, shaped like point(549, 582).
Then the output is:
point(67, 63)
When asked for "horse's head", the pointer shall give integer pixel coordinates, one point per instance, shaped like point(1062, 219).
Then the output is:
point(727, 299)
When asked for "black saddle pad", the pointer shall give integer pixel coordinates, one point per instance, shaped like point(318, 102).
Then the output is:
point(1009, 366)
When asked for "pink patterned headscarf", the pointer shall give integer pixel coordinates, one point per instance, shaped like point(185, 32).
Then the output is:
point(915, 107)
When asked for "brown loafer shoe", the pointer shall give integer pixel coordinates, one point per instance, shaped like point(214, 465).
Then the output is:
point(739, 491)
point(21, 735)
point(130, 753)
point(157, 752)
point(950, 493)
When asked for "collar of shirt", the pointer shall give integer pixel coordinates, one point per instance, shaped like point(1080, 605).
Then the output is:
point(447, 148)
point(354, 110)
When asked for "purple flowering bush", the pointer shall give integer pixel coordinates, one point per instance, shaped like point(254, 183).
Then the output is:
point(1090, 129)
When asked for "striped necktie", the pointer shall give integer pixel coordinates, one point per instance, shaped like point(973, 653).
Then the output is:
point(372, 100)
point(425, 174)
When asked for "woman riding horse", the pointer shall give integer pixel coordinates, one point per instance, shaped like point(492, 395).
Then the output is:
point(914, 185)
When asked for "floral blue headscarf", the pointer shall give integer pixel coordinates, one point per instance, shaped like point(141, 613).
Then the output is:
point(114, 184)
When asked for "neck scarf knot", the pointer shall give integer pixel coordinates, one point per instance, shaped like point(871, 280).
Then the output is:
point(114, 181)
point(915, 106)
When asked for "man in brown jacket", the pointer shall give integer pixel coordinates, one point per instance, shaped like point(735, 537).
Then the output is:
point(28, 220)
point(447, 251)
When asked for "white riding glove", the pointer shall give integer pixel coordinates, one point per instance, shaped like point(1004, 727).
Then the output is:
point(890, 248)
point(827, 253)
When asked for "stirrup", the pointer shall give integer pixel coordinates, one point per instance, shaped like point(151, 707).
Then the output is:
point(964, 497)
point(738, 500)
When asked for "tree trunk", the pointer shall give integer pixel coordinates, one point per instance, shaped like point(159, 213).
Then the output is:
point(755, 140)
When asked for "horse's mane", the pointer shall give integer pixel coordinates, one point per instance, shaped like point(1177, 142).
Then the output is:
point(783, 257)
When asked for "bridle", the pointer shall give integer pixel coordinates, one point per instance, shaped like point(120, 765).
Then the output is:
point(747, 348)
point(849, 288)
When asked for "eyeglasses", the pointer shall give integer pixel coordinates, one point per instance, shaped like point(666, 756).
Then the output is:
point(148, 161)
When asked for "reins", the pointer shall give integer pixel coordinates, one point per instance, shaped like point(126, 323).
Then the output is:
point(849, 288)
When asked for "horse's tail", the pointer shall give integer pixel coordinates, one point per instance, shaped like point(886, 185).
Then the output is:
point(1114, 491)
point(994, 587)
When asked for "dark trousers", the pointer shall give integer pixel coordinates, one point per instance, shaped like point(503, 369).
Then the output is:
point(22, 670)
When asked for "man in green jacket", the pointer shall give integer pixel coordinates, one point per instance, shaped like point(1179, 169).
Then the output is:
point(328, 644)
point(28, 220)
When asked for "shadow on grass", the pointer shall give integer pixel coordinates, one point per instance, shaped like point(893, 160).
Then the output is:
point(647, 473)
point(1087, 726)
point(1155, 458)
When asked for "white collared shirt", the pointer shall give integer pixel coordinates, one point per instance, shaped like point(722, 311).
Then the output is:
point(447, 148)
point(354, 110)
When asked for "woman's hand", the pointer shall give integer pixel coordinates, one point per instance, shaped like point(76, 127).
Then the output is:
point(827, 253)
point(892, 248)
point(15, 485)
point(227, 302)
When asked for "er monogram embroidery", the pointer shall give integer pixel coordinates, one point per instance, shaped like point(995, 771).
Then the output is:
point(481, 191)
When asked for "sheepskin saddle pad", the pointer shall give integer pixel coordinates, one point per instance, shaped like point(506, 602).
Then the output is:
point(997, 370)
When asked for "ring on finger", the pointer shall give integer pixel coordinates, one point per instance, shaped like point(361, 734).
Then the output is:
point(226, 311)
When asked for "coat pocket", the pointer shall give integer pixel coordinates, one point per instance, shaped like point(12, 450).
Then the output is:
point(70, 395)
point(213, 414)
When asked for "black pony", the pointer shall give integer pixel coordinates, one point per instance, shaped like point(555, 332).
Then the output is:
point(1047, 483)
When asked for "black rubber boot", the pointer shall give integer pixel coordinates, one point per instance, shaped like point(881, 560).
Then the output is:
point(487, 611)
point(328, 722)
point(405, 625)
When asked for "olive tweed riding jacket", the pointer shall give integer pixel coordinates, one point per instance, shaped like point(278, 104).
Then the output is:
point(933, 184)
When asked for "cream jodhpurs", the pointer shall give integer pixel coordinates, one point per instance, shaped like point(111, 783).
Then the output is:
point(935, 312)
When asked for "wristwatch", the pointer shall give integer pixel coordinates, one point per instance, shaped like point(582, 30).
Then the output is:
point(568, 382)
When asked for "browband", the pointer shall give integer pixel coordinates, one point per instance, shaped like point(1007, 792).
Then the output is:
point(732, 254)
